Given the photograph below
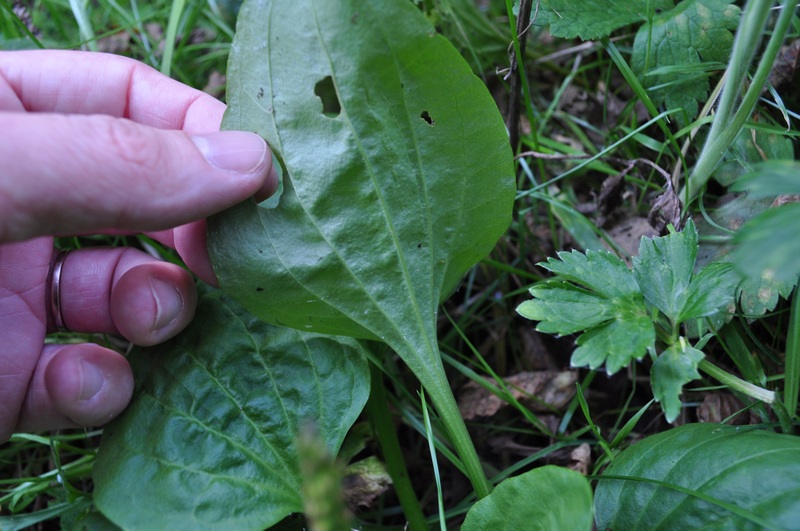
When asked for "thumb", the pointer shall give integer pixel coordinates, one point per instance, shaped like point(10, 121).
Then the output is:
point(75, 174)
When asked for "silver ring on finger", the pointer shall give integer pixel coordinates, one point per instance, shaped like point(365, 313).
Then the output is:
point(55, 290)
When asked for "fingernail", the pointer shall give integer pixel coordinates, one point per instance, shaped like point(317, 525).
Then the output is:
point(91, 379)
point(169, 303)
point(236, 151)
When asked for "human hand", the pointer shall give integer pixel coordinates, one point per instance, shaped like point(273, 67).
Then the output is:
point(98, 143)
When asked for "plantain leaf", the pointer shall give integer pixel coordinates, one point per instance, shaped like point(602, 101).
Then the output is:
point(209, 438)
point(398, 176)
point(542, 499)
point(703, 476)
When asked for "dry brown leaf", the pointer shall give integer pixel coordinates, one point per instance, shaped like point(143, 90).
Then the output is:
point(536, 390)
point(364, 481)
point(716, 407)
point(580, 459)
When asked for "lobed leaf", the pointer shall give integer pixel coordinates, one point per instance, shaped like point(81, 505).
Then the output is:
point(691, 33)
point(616, 343)
point(545, 498)
point(703, 476)
point(592, 19)
point(562, 308)
point(612, 311)
point(209, 438)
point(674, 368)
point(663, 270)
point(600, 271)
point(710, 290)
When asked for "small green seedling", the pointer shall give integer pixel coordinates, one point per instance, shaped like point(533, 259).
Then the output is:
point(625, 314)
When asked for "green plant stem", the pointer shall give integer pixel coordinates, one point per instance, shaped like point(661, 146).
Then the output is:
point(381, 419)
point(445, 404)
point(791, 383)
point(724, 129)
point(737, 384)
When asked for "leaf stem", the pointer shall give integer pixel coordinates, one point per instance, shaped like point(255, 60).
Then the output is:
point(735, 383)
point(445, 403)
point(725, 128)
point(791, 382)
point(381, 419)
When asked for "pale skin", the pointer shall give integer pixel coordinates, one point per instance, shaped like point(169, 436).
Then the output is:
point(94, 143)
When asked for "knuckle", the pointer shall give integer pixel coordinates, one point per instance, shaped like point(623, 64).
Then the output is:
point(132, 144)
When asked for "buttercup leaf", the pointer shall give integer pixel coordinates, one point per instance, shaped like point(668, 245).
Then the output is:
point(664, 268)
point(674, 368)
point(607, 304)
point(678, 41)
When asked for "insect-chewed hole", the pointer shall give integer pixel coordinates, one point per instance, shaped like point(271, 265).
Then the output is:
point(425, 115)
point(326, 92)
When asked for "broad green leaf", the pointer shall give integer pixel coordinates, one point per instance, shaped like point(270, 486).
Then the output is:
point(209, 438)
point(674, 368)
point(771, 179)
point(542, 499)
point(390, 195)
point(769, 244)
point(611, 310)
point(757, 294)
point(703, 476)
point(693, 32)
point(710, 290)
point(592, 19)
point(663, 269)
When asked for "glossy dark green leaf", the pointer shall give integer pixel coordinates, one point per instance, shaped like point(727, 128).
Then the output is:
point(398, 175)
point(542, 499)
point(209, 438)
point(703, 476)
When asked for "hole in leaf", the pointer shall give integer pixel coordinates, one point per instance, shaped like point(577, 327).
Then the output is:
point(427, 117)
point(326, 92)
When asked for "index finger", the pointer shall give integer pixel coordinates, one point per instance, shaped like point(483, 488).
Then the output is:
point(75, 82)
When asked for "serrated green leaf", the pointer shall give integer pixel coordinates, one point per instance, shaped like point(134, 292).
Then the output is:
point(693, 32)
point(729, 478)
point(663, 269)
point(562, 308)
point(612, 310)
point(592, 19)
point(208, 440)
point(710, 290)
point(674, 368)
point(617, 342)
point(545, 498)
point(600, 271)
